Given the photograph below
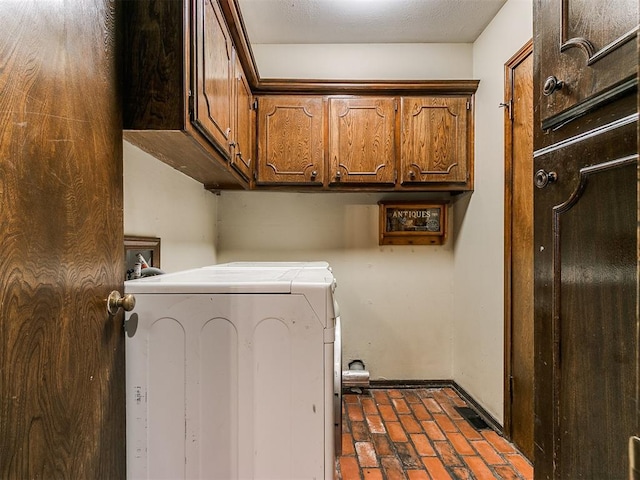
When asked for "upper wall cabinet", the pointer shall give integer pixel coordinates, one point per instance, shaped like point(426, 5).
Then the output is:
point(188, 99)
point(584, 63)
point(435, 140)
point(429, 139)
point(290, 140)
point(362, 140)
point(178, 89)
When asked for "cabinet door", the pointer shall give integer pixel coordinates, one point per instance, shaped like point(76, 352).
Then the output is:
point(242, 152)
point(362, 140)
point(213, 83)
point(591, 48)
point(434, 140)
point(290, 140)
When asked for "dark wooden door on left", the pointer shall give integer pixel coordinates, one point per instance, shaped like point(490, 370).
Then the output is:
point(62, 399)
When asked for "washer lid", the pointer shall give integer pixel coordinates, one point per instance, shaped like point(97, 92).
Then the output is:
point(227, 278)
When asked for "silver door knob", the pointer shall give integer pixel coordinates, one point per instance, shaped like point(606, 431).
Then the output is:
point(115, 302)
point(543, 178)
point(551, 85)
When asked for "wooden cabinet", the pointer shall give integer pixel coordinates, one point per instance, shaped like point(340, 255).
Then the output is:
point(290, 140)
point(586, 237)
point(587, 55)
point(362, 140)
point(367, 141)
point(243, 137)
point(188, 102)
point(435, 140)
point(181, 115)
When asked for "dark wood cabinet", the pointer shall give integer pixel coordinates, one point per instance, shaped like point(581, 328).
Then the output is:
point(588, 55)
point(290, 140)
point(362, 140)
point(189, 88)
point(162, 95)
point(585, 233)
point(435, 143)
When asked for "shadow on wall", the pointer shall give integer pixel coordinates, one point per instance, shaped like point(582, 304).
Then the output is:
point(460, 206)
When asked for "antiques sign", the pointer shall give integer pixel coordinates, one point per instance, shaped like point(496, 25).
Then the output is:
point(411, 223)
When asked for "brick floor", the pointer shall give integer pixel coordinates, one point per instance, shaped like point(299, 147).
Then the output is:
point(416, 434)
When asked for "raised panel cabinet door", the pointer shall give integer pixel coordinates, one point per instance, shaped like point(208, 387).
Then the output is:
point(242, 153)
point(213, 82)
point(585, 309)
point(587, 54)
point(362, 140)
point(434, 139)
point(290, 140)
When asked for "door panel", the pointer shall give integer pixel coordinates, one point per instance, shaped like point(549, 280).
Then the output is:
point(362, 140)
point(213, 74)
point(290, 140)
point(61, 357)
point(586, 336)
point(591, 47)
point(595, 257)
point(434, 139)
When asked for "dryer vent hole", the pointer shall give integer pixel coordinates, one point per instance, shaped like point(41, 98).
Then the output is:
point(470, 415)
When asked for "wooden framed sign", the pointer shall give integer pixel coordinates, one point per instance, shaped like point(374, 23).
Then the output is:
point(412, 223)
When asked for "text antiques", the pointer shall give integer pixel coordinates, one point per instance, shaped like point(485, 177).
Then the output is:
point(412, 223)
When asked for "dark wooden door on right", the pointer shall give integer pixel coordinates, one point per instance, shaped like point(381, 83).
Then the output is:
point(585, 237)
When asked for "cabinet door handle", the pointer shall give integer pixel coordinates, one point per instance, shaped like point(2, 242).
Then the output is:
point(542, 178)
point(412, 174)
point(551, 85)
point(338, 175)
point(314, 174)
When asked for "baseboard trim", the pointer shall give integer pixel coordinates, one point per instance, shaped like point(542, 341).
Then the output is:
point(486, 416)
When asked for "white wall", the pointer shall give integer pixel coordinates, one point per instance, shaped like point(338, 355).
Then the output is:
point(160, 201)
point(395, 301)
point(479, 232)
point(365, 61)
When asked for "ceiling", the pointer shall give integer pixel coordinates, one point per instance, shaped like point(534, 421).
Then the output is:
point(366, 21)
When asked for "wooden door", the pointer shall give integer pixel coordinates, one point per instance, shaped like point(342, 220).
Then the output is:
point(518, 422)
point(62, 403)
point(213, 75)
point(362, 140)
point(585, 257)
point(290, 140)
point(242, 153)
point(434, 139)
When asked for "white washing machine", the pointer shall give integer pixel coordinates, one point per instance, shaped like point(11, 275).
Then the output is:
point(233, 372)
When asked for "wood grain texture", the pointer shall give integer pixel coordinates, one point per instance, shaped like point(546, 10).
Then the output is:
point(62, 358)
point(519, 381)
point(585, 324)
point(153, 35)
point(362, 140)
point(290, 140)
point(434, 139)
point(590, 23)
point(213, 72)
